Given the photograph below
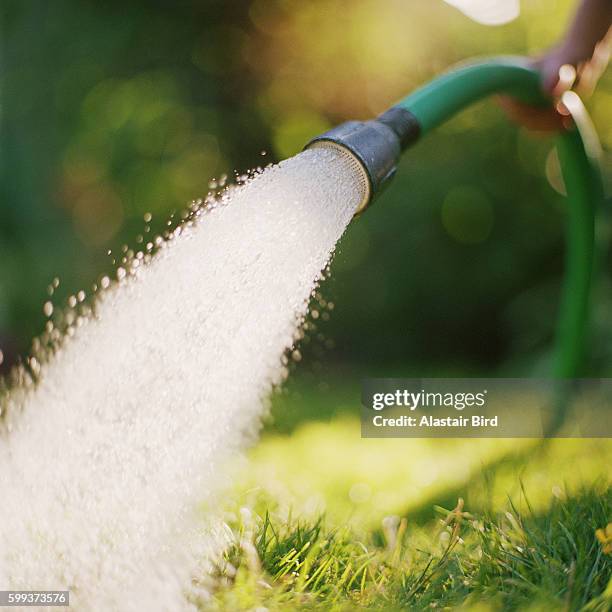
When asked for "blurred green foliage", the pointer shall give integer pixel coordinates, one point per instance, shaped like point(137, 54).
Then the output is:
point(112, 110)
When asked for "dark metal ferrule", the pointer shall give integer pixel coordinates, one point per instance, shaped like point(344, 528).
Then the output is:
point(403, 123)
point(376, 144)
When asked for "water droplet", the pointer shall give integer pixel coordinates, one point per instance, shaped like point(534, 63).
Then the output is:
point(34, 365)
point(48, 308)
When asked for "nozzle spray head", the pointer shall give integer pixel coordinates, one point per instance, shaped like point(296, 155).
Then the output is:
point(374, 145)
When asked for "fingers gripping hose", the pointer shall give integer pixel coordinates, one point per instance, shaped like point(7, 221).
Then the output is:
point(377, 145)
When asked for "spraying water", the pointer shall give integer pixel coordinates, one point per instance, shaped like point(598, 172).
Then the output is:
point(131, 420)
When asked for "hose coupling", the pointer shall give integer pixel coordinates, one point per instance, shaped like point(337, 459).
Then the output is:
point(376, 145)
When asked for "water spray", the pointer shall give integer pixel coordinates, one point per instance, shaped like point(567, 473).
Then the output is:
point(375, 147)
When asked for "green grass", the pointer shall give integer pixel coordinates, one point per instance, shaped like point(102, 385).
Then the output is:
point(516, 561)
point(326, 520)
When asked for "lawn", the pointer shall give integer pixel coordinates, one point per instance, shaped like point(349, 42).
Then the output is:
point(323, 519)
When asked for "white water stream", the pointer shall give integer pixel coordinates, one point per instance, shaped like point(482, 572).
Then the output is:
point(132, 419)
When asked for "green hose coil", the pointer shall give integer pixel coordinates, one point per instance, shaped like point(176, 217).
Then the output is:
point(439, 100)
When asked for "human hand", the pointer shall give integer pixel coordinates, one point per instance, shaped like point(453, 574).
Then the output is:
point(563, 68)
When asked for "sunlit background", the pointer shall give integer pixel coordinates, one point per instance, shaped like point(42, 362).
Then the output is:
point(110, 111)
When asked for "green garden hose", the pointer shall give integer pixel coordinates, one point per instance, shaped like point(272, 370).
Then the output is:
point(450, 93)
point(445, 96)
point(378, 144)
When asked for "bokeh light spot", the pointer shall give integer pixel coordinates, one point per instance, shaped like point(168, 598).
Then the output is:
point(467, 215)
point(488, 12)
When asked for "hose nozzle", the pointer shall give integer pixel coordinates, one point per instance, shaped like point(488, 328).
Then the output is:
point(375, 145)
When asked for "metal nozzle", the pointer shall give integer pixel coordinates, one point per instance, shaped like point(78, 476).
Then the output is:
point(376, 145)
